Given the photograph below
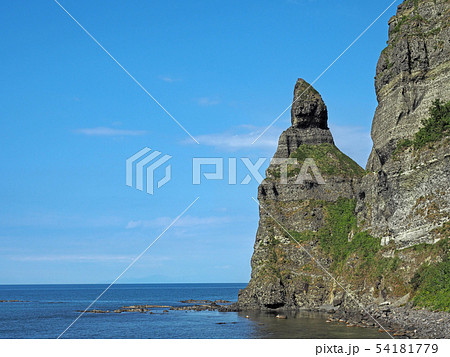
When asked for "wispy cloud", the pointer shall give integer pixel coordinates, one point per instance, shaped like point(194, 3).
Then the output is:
point(184, 222)
point(221, 267)
point(242, 137)
point(168, 79)
point(105, 131)
point(73, 258)
point(354, 141)
point(207, 101)
point(60, 220)
point(299, 2)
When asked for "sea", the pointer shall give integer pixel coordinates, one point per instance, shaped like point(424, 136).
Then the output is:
point(45, 311)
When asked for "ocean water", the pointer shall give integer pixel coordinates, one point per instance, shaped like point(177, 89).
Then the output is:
point(48, 309)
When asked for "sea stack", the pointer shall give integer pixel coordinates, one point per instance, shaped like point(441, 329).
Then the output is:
point(283, 274)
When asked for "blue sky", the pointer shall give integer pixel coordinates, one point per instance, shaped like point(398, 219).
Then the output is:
point(70, 117)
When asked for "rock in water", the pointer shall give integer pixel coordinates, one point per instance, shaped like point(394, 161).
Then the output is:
point(283, 274)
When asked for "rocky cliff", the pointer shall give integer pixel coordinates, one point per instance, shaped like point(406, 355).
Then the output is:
point(381, 234)
point(406, 197)
point(283, 275)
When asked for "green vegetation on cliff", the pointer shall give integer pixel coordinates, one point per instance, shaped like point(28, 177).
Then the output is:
point(435, 128)
point(431, 282)
point(340, 239)
point(334, 237)
point(407, 24)
point(329, 160)
point(433, 286)
point(360, 259)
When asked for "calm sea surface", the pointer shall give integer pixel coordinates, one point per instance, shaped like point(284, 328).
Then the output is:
point(49, 309)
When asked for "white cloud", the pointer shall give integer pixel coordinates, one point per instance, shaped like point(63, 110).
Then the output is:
point(168, 79)
point(187, 221)
point(299, 2)
point(223, 267)
point(207, 102)
point(54, 219)
point(354, 141)
point(104, 131)
point(242, 137)
point(73, 258)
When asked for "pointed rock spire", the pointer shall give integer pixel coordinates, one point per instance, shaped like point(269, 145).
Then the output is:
point(309, 117)
point(308, 108)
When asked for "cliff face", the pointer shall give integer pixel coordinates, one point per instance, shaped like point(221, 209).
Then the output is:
point(365, 227)
point(411, 72)
point(406, 196)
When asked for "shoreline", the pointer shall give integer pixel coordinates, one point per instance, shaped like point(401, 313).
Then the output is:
point(400, 322)
point(403, 322)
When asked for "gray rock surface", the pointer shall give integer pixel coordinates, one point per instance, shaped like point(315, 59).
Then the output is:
point(308, 108)
point(402, 198)
point(412, 72)
point(309, 118)
point(277, 277)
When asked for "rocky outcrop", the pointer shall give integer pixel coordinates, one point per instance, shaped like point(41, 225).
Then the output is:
point(279, 266)
point(363, 227)
point(188, 305)
point(406, 196)
point(309, 118)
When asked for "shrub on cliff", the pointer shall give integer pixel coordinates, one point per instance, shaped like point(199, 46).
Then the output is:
point(435, 128)
point(329, 159)
point(432, 285)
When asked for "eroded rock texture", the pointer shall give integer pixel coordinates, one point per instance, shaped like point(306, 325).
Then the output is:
point(309, 118)
point(406, 196)
point(283, 274)
point(363, 227)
